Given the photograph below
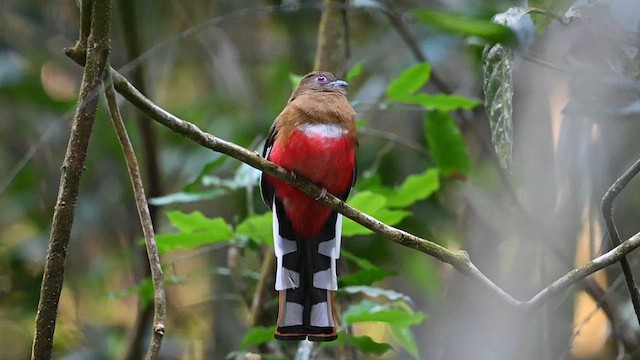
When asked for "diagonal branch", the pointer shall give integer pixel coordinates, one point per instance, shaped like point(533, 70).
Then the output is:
point(97, 45)
point(160, 301)
point(607, 214)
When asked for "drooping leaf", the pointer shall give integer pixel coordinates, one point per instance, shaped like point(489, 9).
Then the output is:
point(461, 25)
point(295, 80)
point(375, 292)
point(245, 176)
point(257, 228)
point(447, 144)
point(443, 102)
point(374, 205)
point(367, 345)
point(406, 340)
point(187, 197)
point(497, 63)
point(368, 310)
point(409, 81)
point(257, 336)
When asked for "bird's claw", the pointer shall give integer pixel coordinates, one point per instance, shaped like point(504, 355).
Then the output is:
point(322, 194)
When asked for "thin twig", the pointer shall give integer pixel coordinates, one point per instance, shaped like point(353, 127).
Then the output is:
point(160, 302)
point(96, 59)
point(607, 214)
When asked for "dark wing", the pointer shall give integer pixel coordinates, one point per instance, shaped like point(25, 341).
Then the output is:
point(266, 189)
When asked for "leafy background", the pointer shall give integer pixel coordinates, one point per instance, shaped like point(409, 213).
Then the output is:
point(426, 164)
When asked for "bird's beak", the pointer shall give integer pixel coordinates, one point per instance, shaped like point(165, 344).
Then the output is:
point(339, 83)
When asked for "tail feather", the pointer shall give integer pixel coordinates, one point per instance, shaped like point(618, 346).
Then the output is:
point(306, 280)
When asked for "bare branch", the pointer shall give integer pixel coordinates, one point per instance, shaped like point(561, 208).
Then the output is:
point(72, 167)
point(160, 301)
point(607, 214)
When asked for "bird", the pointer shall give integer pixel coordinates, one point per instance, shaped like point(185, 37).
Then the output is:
point(315, 137)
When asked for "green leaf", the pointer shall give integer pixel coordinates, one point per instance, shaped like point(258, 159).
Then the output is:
point(367, 345)
point(406, 339)
point(189, 223)
point(443, 102)
point(461, 25)
point(187, 197)
point(195, 230)
point(557, 7)
point(355, 70)
point(367, 275)
point(414, 188)
point(409, 81)
point(368, 310)
point(258, 335)
point(295, 80)
point(374, 205)
point(172, 241)
point(206, 169)
point(257, 228)
point(375, 292)
point(447, 144)
point(497, 63)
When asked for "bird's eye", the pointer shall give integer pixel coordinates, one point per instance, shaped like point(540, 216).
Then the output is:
point(321, 79)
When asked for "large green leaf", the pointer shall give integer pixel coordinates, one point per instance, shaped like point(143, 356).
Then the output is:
point(375, 292)
point(461, 25)
point(257, 228)
point(447, 144)
point(414, 188)
point(257, 335)
point(368, 310)
point(206, 169)
point(409, 81)
point(195, 230)
point(375, 206)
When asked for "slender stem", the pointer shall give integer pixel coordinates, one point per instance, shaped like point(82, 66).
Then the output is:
point(607, 214)
point(160, 307)
point(72, 168)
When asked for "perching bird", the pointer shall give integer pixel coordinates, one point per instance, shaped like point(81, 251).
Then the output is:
point(315, 137)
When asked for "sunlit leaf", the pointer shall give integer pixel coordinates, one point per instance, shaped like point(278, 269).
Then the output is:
point(461, 25)
point(409, 81)
point(258, 335)
point(295, 80)
point(367, 274)
point(447, 144)
point(257, 228)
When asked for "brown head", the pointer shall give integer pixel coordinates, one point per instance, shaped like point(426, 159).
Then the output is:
point(319, 81)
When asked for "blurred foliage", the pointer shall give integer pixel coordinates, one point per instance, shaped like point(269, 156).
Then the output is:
point(229, 67)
